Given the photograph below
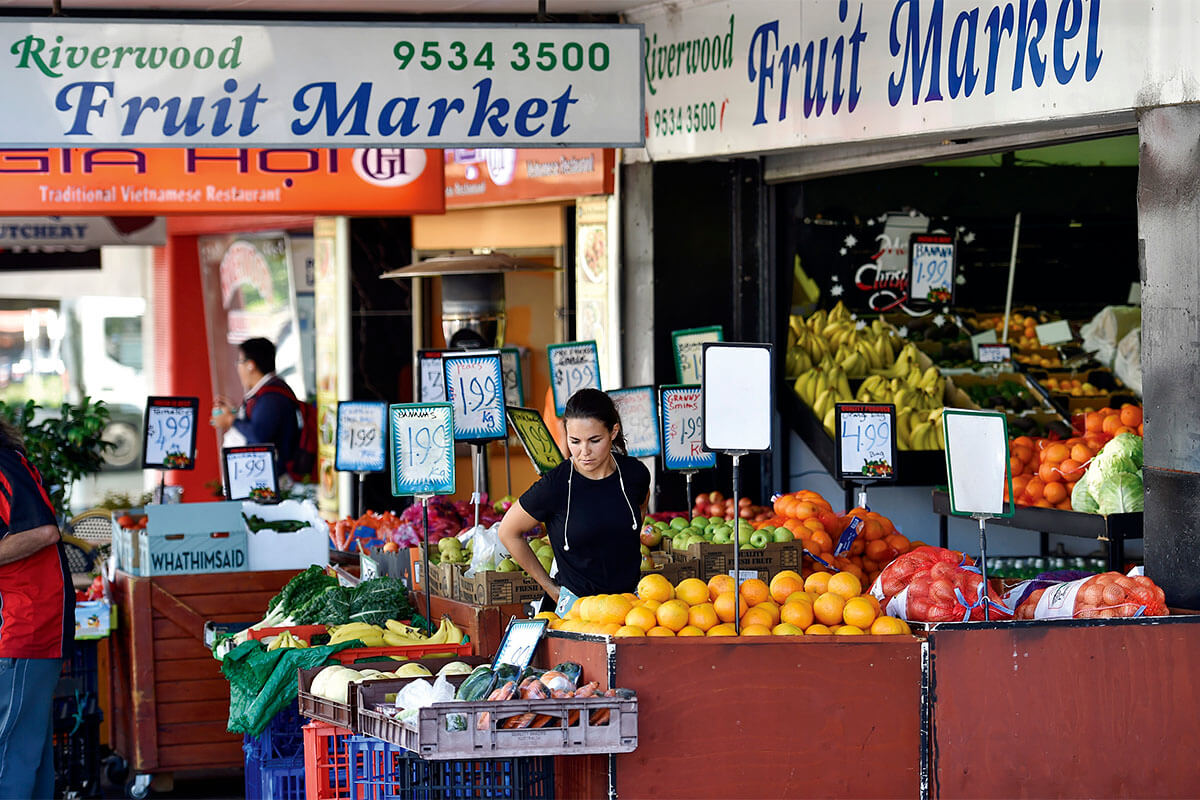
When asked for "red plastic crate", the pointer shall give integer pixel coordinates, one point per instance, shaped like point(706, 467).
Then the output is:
point(327, 772)
point(304, 632)
point(410, 651)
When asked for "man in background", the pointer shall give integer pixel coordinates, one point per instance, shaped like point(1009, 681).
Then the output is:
point(267, 414)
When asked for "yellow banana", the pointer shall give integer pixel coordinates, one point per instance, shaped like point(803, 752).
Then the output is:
point(828, 420)
point(919, 434)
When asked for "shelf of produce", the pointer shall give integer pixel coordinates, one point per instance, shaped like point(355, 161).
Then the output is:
point(1072, 708)
point(483, 624)
point(758, 702)
point(1113, 530)
point(913, 467)
point(177, 699)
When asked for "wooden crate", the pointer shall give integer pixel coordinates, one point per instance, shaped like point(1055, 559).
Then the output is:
point(175, 704)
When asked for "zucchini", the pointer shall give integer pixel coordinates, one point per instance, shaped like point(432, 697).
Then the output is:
point(478, 684)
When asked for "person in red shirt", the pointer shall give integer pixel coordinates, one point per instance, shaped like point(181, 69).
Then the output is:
point(37, 622)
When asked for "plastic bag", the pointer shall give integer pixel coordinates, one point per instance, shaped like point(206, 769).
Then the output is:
point(1107, 328)
point(486, 550)
point(932, 584)
point(1108, 595)
point(1127, 364)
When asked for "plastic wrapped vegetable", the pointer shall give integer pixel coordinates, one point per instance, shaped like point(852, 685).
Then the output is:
point(1104, 596)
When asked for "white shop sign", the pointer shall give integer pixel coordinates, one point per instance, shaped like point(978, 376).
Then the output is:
point(103, 82)
point(742, 76)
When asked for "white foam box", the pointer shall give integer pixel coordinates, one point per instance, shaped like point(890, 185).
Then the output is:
point(182, 538)
point(267, 549)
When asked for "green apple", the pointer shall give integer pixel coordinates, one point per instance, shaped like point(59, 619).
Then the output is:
point(744, 534)
point(679, 543)
point(746, 546)
point(447, 544)
point(648, 564)
point(648, 520)
point(720, 536)
point(717, 520)
point(679, 523)
point(645, 551)
point(699, 522)
point(759, 539)
point(783, 535)
point(507, 565)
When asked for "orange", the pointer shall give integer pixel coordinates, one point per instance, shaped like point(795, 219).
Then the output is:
point(822, 541)
point(1015, 465)
point(1093, 422)
point(887, 626)
point(702, 616)
point(1055, 454)
point(692, 591)
point(724, 629)
point(859, 612)
point(786, 629)
point(611, 608)
point(772, 608)
point(629, 630)
point(1111, 423)
point(1055, 493)
point(817, 630)
point(783, 587)
point(659, 630)
point(754, 591)
point(672, 614)
point(828, 608)
point(1071, 469)
point(550, 615)
point(655, 587)
point(878, 550)
point(797, 613)
point(899, 542)
point(556, 624)
point(719, 583)
point(724, 605)
point(758, 615)
point(581, 609)
point(630, 596)
point(817, 583)
point(849, 630)
point(1080, 454)
point(874, 601)
point(690, 630)
point(755, 630)
point(1033, 489)
point(608, 628)
point(845, 584)
point(652, 605)
point(1131, 416)
point(801, 596)
point(641, 617)
point(1049, 473)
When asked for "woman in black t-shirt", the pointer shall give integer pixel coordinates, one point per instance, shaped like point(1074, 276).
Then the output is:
point(592, 506)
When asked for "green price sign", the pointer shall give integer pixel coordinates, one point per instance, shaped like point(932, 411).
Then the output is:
point(535, 438)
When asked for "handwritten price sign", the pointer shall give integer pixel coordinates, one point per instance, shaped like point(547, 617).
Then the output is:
point(866, 442)
point(639, 420)
point(422, 448)
point(573, 366)
point(514, 385)
point(931, 268)
point(535, 438)
point(431, 381)
point(170, 432)
point(250, 473)
point(475, 389)
point(683, 429)
point(361, 428)
point(689, 345)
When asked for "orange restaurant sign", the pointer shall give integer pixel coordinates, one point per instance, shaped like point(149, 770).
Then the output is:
point(153, 181)
point(505, 175)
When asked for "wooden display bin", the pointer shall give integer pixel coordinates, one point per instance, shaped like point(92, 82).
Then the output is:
point(171, 702)
point(726, 717)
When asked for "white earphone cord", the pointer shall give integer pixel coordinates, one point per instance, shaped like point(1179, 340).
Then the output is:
point(570, 480)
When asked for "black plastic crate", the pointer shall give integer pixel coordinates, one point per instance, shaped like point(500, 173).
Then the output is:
point(77, 754)
point(383, 771)
point(79, 671)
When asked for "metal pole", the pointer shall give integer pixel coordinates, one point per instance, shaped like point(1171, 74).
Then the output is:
point(362, 478)
point(477, 454)
point(737, 544)
point(983, 564)
point(688, 474)
point(1012, 270)
point(425, 550)
point(507, 468)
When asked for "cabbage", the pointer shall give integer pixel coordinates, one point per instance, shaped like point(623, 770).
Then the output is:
point(1122, 454)
point(1119, 493)
point(1081, 496)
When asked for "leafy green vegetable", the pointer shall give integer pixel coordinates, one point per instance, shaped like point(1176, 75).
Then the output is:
point(331, 607)
point(1122, 454)
point(377, 600)
point(1081, 496)
point(1120, 493)
point(295, 595)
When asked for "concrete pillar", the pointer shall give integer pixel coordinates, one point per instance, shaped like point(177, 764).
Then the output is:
point(637, 274)
point(1169, 225)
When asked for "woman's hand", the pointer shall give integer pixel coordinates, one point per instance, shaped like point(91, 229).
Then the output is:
point(513, 526)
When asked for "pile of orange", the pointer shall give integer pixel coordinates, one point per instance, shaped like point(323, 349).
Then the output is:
point(811, 519)
point(789, 605)
point(1044, 471)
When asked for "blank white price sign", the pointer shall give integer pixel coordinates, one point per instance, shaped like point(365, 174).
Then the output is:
point(683, 429)
point(931, 268)
point(1057, 332)
point(738, 397)
point(475, 389)
point(170, 432)
point(866, 441)
point(639, 419)
point(573, 366)
point(977, 462)
point(361, 435)
point(422, 448)
point(250, 473)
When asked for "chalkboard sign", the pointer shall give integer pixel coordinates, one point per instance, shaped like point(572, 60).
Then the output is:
point(431, 381)
point(682, 429)
point(639, 420)
point(535, 437)
point(573, 366)
point(688, 345)
point(250, 473)
point(421, 437)
point(170, 433)
point(931, 268)
point(737, 397)
point(361, 437)
point(866, 441)
point(514, 382)
point(977, 462)
point(475, 389)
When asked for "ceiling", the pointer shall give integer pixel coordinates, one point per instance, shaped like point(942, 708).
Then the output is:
point(397, 7)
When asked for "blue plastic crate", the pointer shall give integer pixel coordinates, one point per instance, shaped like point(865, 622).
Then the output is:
point(383, 771)
point(282, 738)
point(274, 779)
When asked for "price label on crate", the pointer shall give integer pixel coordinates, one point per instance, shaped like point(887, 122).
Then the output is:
point(431, 382)
point(514, 383)
point(535, 437)
point(994, 353)
point(421, 437)
point(475, 389)
point(170, 432)
point(689, 345)
point(573, 366)
point(866, 442)
point(638, 411)
point(683, 429)
point(361, 437)
point(931, 268)
point(250, 473)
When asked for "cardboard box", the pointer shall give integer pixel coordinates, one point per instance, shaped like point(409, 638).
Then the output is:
point(717, 559)
point(183, 538)
point(675, 568)
point(124, 541)
point(443, 576)
point(496, 588)
point(267, 549)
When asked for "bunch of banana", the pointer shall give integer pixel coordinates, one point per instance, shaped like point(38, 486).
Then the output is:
point(369, 635)
point(447, 633)
point(927, 434)
point(821, 388)
point(400, 635)
point(286, 640)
